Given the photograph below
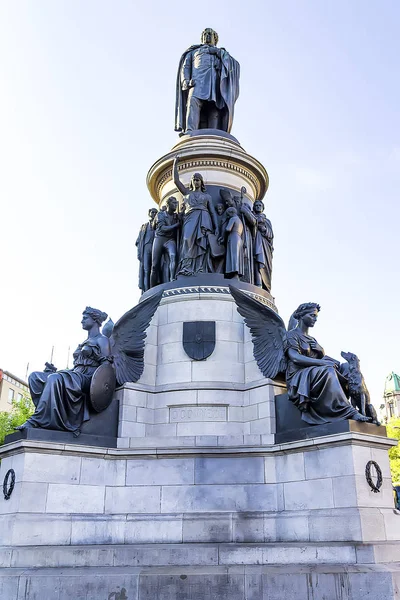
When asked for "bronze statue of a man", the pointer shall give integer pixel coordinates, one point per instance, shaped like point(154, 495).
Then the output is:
point(165, 243)
point(144, 245)
point(207, 86)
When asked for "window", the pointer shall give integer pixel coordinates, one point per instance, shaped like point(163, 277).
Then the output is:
point(10, 395)
point(19, 397)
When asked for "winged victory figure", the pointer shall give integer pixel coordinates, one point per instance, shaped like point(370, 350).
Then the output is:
point(65, 399)
point(316, 383)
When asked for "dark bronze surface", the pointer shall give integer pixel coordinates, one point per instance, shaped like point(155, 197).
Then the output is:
point(198, 339)
point(102, 387)
point(207, 86)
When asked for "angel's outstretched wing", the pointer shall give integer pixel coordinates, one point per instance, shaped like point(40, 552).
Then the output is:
point(128, 337)
point(267, 332)
point(107, 329)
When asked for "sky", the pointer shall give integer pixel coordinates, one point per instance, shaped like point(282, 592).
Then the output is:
point(87, 106)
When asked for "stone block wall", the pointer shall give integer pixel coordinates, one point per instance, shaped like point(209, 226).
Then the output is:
point(311, 491)
point(222, 396)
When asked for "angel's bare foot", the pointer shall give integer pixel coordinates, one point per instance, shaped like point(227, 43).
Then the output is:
point(359, 417)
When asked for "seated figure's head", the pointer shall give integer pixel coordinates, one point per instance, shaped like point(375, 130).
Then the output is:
point(90, 316)
point(308, 313)
point(231, 211)
point(209, 36)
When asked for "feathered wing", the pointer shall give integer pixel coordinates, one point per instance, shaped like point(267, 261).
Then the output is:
point(128, 339)
point(267, 332)
point(107, 329)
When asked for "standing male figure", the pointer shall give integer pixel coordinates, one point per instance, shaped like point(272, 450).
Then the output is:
point(207, 86)
point(144, 245)
point(166, 226)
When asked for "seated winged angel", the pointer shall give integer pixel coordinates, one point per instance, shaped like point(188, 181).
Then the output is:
point(317, 384)
point(65, 399)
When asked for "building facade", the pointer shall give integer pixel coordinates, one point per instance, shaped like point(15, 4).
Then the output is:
point(11, 388)
point(391, 397)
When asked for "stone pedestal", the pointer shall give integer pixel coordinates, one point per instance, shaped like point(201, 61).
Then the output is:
point(199, 499)
point(218, 401)
point(221, 160)
point(199, 521)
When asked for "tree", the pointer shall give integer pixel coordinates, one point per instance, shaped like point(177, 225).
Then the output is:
point(21, 411)
point(393, 431)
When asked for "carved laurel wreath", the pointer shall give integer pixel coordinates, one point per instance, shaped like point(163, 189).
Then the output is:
point(8, 488)
point(375, 487)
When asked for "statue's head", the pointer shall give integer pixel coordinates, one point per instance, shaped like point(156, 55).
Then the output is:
point(226, 197)
point(209, 36)
point(90, 316)
point(231, 211)
point(172, 203)
point(220, 208)
point(258, 207)
point(308, 313)
point(152, 213)
point(197, 182)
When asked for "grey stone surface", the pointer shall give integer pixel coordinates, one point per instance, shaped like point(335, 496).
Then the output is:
point(207, 528)
point(105, 529)
point(50, 468)
point(302, 495)
point(132, 499)
point(95, 471)
point(160, 472)
point(250, 527)
point(193, 587)
point(290, 467)
point(229, 470)
point(66, 498)
point(141, 529)
point(206, 498)
point(187, 583)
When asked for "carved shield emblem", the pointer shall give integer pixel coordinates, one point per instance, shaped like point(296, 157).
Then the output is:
point(199, 339)
point(102, 387)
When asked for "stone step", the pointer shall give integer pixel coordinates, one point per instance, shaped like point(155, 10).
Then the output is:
point(255, 582)
point(142, 555)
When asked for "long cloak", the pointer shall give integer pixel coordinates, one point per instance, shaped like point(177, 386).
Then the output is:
point(229, 88)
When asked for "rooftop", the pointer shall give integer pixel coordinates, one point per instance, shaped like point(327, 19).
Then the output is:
point(392, 383)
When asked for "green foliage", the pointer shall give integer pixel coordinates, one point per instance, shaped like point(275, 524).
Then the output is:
point(393, 431)
point(21, 411)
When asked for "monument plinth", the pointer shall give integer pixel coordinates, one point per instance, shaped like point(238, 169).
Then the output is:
point(244, 467)
point(220, 159)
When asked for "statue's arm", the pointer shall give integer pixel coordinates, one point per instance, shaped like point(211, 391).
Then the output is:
point(186, 72)
point(166, 228)
point(183, 190)
point(104, 345)
point(248, 215)
point(305, 361)
point(229, 226)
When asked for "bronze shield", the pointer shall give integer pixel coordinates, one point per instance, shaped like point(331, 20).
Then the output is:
point(199, 339)
point(102, 387)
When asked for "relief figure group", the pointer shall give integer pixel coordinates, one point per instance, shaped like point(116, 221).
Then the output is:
point(230, 237)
